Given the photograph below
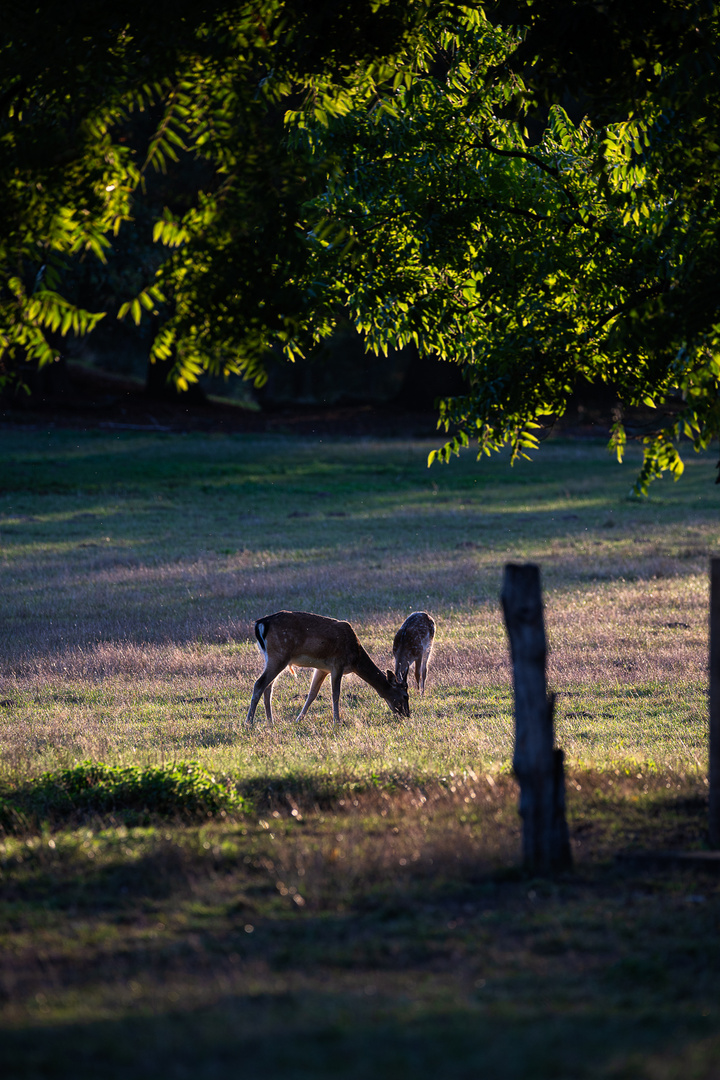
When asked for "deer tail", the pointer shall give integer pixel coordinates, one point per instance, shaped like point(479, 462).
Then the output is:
point(260, 637)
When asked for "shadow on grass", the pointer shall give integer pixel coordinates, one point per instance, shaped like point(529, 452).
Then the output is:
point(356, 1037)
point(311, 792)
point(113, 887)
point(194, 955)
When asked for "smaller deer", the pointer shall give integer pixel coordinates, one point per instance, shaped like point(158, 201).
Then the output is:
point(412, 645)
point(300, 639)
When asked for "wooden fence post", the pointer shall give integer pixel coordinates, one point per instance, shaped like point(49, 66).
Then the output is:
point(537, 764)
point(714, 771)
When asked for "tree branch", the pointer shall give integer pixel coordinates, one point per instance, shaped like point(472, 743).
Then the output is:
point(627, 305)
point(551, 170)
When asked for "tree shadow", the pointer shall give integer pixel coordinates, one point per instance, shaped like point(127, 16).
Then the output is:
point(354, 1035)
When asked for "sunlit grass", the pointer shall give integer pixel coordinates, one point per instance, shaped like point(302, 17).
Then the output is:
point(132, 569)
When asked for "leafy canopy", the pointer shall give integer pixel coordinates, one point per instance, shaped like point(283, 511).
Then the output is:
point(589, 250)
point(98, 103)
point(528, 190)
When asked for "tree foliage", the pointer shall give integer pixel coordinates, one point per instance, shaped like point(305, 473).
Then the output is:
point(588, 251)
point(527, 189)
point(78, 83)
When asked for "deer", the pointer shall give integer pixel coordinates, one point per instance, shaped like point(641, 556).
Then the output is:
point(290, 639)
point(413, 645)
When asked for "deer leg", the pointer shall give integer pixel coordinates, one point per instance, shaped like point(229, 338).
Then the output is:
point(318, 679)
point(263, 688)
point(423, 672)
point(336, 681)
point(417, 673)
point(267, 701)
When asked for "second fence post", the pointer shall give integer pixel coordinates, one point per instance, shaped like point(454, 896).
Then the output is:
point(714, 703)
point(537, 764)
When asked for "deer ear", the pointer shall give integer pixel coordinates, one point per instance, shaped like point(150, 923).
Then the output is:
point(390, 676)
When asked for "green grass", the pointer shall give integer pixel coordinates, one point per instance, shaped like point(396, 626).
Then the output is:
point(134, 566)
point(125, 791)
point(361, 912)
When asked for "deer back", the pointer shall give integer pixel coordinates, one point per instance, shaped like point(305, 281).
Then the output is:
point(413, 640)
point(309, 640)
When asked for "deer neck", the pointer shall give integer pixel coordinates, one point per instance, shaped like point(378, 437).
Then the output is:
point(370, 673)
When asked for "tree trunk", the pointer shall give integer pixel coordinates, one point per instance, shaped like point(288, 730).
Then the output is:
point(714, 777)
point(537, 764)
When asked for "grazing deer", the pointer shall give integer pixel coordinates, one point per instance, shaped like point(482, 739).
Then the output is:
point(300, 639)
point(412, 645)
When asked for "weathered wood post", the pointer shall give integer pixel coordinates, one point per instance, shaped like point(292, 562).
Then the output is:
point(714, 777)
point(537, 764)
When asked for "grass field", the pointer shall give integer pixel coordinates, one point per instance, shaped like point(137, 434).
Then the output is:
point(364, 915)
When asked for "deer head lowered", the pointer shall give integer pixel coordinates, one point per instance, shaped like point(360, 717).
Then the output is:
point(300, 639)
point(412, 645)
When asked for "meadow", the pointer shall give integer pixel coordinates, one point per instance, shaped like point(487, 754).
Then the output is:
point(363, 911)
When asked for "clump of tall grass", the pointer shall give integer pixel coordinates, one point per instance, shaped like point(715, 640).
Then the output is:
point(126, 791)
